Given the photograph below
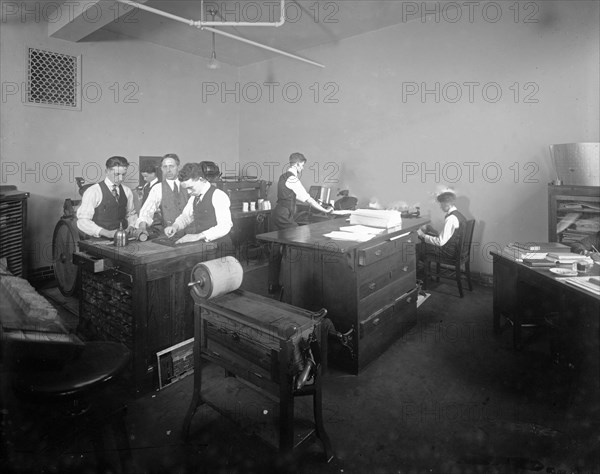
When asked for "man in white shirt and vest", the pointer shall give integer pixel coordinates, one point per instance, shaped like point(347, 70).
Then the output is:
point(149, 173)
point(208, 210)
point(289, 190)
point(107, 205)
point(445, 243)
point(165, 201)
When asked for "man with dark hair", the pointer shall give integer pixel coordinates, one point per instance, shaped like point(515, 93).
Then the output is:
point(207, 209)
point(166, 201)
point(149, 173)
point(107, 205)
point(444, 243)
point(289, 190)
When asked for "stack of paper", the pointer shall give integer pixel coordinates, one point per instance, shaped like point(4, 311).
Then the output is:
point(376, 218)
point(351, 236)
point(569, 258)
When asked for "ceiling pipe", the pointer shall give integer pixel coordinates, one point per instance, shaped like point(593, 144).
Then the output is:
point(204, 26)
point(202, 23)
point(263, 46)
point(276, 24)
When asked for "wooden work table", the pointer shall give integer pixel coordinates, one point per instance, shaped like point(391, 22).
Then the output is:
point(138, 295)
point(368, 288)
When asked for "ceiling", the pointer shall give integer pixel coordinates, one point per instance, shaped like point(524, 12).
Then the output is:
point(308, 24)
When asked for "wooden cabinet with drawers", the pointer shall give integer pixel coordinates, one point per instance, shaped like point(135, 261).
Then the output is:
point(138, 295)
point(368, 288)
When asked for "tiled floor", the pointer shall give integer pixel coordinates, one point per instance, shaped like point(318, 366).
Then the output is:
point(448, 397)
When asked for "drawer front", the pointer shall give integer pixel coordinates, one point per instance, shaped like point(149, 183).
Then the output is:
point(376, 277)
point(383, 250)
point(226, 325)
point(235, 348)
point(381, 297)
point(401, 315)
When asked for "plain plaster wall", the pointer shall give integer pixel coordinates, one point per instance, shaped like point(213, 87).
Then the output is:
point(377, 135)
point(139, 99)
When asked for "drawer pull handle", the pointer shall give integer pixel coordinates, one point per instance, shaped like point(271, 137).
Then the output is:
point(372, 286)
point(235, 336)
point(405, 268)
point(378, 253)
point(375, 321)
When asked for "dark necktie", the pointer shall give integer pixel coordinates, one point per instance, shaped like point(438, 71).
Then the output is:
point(115, 193)
point(175, 188)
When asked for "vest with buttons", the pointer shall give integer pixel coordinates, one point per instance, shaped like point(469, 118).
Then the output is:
point(110, 212)
point(452, 243)
point(172, 204)
point(205, 216)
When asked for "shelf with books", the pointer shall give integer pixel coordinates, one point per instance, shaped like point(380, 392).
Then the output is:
point(573, 212)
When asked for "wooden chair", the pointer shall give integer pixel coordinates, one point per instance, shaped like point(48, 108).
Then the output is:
point(452, 267)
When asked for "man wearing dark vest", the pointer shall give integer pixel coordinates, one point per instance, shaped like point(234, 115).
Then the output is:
point(107, 205)
point(289, 190)
point(445, 243)
point(149, 173)
point(165, 201)
point(207, 210)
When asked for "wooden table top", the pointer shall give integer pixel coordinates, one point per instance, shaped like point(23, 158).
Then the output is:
point(137, 253)
point(313, 235)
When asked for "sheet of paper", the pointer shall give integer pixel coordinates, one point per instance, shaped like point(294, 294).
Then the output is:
point(362, 229)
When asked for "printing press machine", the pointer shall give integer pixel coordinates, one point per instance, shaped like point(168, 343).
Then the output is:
point(246, 224)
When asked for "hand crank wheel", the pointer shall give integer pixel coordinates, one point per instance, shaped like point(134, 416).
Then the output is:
point(64, 244)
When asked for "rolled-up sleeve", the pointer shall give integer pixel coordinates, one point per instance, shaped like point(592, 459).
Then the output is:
point(295, 185)
point(186, 217)
point(151, 205)
point(85, 213)
point(450, 227)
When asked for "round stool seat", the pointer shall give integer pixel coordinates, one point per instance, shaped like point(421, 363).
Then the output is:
point(97, 364)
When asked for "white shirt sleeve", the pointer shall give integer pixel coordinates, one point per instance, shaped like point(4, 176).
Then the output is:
point(221, 203)
point(187, 215)
point(295, 185)
point(450, 226)
point(151, 205)
point(131, 212)
point(91, 199)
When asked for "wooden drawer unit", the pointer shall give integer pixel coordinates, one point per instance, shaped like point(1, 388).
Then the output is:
point(138, 295)
point(366, 287)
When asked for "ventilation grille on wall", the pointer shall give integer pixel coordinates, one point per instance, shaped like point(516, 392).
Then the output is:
point(53, 79)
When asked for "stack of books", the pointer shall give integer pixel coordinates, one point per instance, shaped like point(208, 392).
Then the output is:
point(535, 253)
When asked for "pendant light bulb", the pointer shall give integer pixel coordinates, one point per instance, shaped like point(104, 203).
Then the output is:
point(213, 63)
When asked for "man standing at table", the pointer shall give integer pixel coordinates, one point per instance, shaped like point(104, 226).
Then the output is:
point(107, 205)
point(166, 200)
point(148, 172)
point(208, 210)
point(289, 190)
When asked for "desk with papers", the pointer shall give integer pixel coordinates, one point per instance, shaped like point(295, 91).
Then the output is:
point(367, 286)
point(575, 298)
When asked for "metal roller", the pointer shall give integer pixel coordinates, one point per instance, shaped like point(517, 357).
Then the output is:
point(216, 277)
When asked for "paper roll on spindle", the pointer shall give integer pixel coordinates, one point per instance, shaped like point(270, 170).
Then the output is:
point(216, 277)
